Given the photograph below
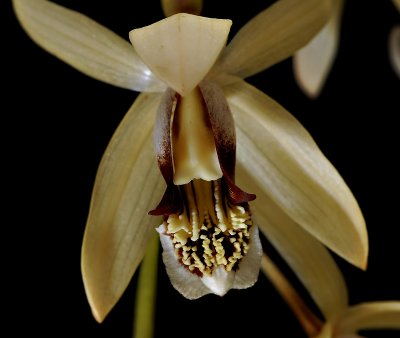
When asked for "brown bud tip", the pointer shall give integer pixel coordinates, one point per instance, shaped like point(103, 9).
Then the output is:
point(171, 7)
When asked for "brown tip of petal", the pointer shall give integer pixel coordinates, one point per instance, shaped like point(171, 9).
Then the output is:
point(171, 7)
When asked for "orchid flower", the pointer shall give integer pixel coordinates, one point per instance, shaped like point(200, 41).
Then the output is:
point(205, 120)
point(319, 273)
point(313, 62)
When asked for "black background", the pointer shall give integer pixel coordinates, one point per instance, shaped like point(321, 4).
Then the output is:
point(57, 123)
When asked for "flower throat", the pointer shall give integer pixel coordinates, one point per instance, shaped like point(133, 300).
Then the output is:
point(209, 231)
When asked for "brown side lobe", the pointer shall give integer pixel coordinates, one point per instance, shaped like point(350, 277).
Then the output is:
point(170, 202)
point(221, 122)
point(223, 127)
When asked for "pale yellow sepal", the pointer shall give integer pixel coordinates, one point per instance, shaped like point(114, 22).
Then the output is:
point(272, 36)
point(182, 48)
point(308, 258)
point(313, 62)
point(284, 160)
point(128, 184)
point(85, 45)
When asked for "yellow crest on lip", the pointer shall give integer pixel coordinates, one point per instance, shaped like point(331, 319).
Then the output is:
point(182, 48)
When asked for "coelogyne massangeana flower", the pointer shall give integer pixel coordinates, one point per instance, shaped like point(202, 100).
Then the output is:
point(202, 113)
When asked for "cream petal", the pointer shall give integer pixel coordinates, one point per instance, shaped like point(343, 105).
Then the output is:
point(284, 160)
point(186, 283)
point(128, 184)
point(85, 45)
point(273, 35)
point(182, 48)
point(313, 62)
point(371, 315)
point(311, 262)
point(394, 49)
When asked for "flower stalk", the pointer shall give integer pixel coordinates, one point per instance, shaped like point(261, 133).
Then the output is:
point(144, 311)
point(310, 323)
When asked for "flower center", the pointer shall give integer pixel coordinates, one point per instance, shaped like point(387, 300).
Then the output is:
point(209, 232)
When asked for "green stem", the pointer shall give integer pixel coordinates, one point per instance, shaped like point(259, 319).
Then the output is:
point(310, 323)
point(144, 311)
